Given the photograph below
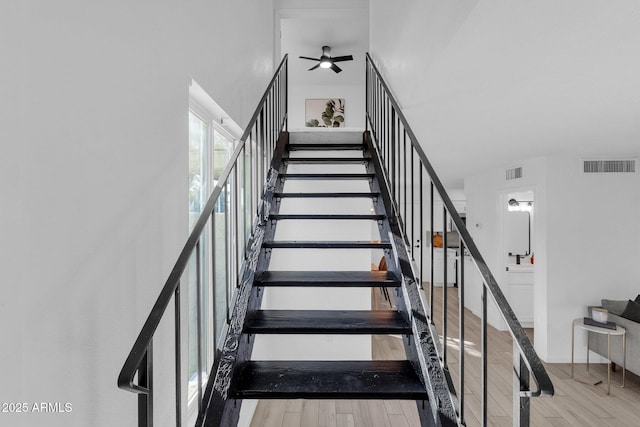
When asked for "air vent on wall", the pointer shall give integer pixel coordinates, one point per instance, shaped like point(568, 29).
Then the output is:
point(514, 173)
point(609, 166)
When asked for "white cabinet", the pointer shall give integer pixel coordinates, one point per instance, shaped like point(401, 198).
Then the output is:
point(520, 280)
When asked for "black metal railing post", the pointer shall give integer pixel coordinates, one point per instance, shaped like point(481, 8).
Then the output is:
point(178, 355)
point(462, 351)
point(145, 382)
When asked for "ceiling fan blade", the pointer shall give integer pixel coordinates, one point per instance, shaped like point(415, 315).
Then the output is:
point(311, 59)
point(335, 68)
point(342, 58)
point(314, 67)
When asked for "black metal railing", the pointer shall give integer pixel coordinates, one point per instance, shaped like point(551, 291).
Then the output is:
point(213, 254)
point(408, 173)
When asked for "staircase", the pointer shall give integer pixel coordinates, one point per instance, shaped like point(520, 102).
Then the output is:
point(275, 207)
point(325, 189)
point(325, 379)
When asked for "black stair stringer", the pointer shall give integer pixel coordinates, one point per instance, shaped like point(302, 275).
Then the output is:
point(218, 407)
point(423, 351)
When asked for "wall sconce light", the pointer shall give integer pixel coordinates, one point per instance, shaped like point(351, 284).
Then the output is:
point(520, 206)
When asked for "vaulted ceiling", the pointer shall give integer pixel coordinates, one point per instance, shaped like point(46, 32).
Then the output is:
point(486, 84)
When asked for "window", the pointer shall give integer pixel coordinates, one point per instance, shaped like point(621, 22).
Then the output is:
point(210, 148)
point(199, 189)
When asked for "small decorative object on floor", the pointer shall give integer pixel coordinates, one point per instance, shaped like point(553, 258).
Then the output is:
point(599, 314)
point(591, 322)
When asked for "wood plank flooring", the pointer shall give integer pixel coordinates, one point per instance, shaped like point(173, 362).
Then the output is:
point(574, 404)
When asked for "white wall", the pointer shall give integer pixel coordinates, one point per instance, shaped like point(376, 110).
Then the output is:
point(584, 233)
point(486, 203)
point(94, 181)
point(592, 242)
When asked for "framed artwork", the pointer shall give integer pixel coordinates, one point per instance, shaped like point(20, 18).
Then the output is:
point(324, 113)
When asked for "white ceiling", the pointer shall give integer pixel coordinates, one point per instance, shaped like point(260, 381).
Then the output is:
point(487, 84)
point(306, 25)
point(305, 36)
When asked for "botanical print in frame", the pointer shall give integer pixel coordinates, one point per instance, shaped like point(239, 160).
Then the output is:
point(324, 113)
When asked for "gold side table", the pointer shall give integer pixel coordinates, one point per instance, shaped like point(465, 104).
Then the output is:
point(619, 330)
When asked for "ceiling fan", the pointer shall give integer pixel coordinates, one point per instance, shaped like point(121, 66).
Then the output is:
point(326, 61)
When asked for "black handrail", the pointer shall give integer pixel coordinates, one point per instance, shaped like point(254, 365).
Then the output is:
point(385, 121)
point(269, 118)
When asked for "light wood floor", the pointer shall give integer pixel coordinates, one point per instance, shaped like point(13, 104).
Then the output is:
point(574, 404)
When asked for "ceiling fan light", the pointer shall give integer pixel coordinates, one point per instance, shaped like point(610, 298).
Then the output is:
point(325, 64)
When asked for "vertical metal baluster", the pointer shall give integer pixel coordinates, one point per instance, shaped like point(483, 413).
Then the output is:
point(383, 129)
point(413, 213)
point(145, 379)
point(445, 309)
point(276, 107)
point(372, 100)
point(521, 402)
point(261, 147)
point(267, 124)
point(484, 355)
point(243, 197)
point(265, 147)
point(398, 158)
point(267, 127)
point(375, 107)
point(256, 175)
point(366, 95)
point(251, 181)
point(421, 233)
point(274, 127)
point(178, 356)
point(271, 122)
point(378, 116)
point(461, 331)
point(381, 137)
point(392, 175)
point(227, 260)
point(199, 323)
point(431, 245)
point(388, 135)
point(381, 120)
point(236, 220)
point(285, 97)
point(404, 169)
point(213, 279)
point(260, 160)
point(380, 129)
point(276, 121)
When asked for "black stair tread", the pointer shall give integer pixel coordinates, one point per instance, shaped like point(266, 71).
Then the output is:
point(326, 159)
point(326, 195)
point(325, 176)
point(325, 147)
point(328, 278)
point(326, 322)
point(326, 244)
point(328, 216)
point(368, 379)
